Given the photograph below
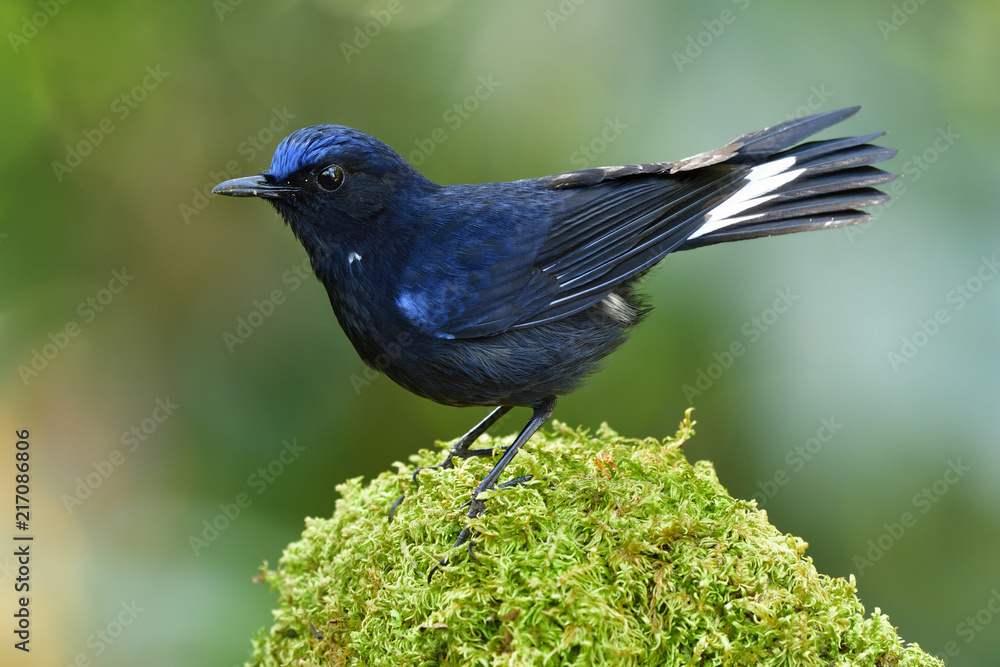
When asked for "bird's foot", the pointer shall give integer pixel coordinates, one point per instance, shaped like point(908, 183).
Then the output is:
point(455, 452)
point(447, 463)
point(462, 448)
point(476, 509)
point(463, 537)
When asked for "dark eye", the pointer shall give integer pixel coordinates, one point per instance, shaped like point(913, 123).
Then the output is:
point(330, 178)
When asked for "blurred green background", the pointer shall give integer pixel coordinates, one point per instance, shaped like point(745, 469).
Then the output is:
point(147, 420)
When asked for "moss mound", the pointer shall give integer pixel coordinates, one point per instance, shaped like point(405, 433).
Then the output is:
point(618, 552)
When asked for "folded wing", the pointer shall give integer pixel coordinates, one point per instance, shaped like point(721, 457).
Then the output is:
point(599, 228)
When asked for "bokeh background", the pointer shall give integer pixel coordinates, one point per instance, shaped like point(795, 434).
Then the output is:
point(151, 411)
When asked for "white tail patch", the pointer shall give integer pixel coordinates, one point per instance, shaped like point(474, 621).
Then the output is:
point(762, 179)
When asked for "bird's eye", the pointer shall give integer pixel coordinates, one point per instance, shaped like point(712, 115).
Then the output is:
point(331, 178)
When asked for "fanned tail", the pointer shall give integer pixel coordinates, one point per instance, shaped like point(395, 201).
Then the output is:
point(815, 185)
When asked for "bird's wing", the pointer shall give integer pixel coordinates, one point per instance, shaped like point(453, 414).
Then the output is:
point(605, 234)
point(473, 272)
point(592, 230)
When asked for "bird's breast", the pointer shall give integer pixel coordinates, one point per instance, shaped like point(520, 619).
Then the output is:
point(362, 292)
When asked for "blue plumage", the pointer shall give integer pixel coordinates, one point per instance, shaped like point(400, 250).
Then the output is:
point(510, 294)
point(311, 145)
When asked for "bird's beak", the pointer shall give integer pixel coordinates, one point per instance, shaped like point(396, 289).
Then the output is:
point(251, 186)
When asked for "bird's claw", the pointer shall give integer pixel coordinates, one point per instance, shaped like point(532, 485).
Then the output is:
point(463, 537)
point(392, 508)
point(476, 509)
point(447, 463)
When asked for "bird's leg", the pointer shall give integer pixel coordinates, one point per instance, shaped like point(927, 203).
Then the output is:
point(461, 448)
point(476, 506)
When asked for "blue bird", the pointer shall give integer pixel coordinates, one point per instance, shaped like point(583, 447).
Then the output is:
point(509, 294)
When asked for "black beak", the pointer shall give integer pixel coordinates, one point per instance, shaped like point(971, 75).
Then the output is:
point(251, 186)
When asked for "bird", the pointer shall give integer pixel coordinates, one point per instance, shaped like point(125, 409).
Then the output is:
point(510, 294)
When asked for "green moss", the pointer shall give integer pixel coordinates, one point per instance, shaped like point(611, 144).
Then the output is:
point(619, 552)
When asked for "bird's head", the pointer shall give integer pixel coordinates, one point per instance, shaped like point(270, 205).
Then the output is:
point(328, 181)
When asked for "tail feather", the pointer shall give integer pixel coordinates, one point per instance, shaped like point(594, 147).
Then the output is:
point(789, 226)
point(769, 141)
point(829, 203)
point(813, 149)
point(859, 156)
point(792, 188)
point(837, 181)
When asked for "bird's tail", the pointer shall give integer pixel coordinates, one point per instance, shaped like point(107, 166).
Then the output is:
point(795, 188)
